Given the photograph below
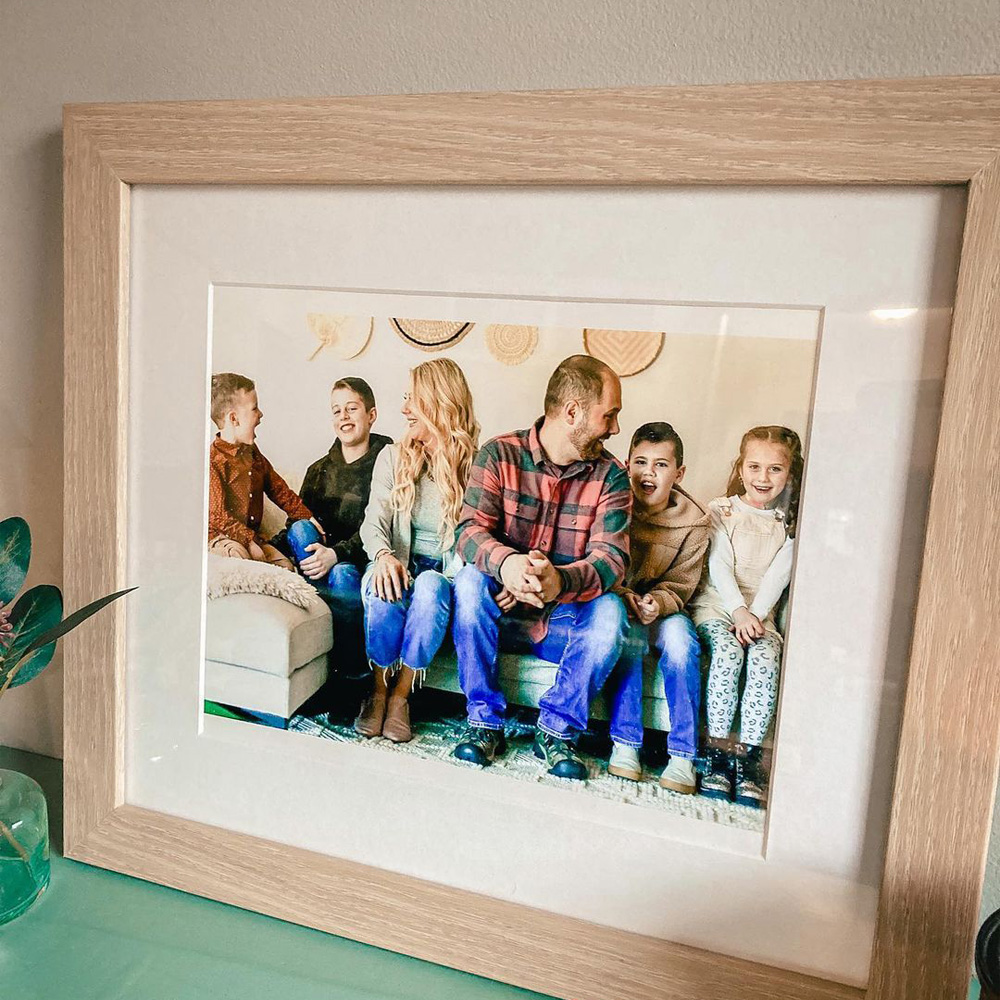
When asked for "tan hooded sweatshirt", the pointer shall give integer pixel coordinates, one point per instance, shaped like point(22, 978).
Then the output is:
point(668, 551)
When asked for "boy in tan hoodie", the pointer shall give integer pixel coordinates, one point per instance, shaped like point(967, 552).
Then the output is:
point(668, 537)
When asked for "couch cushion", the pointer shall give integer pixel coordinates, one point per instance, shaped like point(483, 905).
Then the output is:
point(266, 633)
point(525, 678)
point(524, 668)
point(259, 691)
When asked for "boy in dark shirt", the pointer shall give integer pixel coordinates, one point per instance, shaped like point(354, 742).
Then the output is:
point(336, 489)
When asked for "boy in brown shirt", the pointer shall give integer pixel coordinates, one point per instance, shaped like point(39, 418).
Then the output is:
point(668, 538)
point(239, 476)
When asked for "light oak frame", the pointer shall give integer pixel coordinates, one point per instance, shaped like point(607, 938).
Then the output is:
point(926, 131)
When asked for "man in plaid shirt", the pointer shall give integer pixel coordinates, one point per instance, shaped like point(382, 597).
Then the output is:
point(544, 533)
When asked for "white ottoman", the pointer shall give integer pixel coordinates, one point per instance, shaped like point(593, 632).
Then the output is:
point(265, 655)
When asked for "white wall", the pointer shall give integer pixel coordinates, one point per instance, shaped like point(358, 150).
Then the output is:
point(53, 51)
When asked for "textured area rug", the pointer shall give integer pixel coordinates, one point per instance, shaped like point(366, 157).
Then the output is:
point(435, 739)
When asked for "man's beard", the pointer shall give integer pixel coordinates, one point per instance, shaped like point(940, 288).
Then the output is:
point(588, 447)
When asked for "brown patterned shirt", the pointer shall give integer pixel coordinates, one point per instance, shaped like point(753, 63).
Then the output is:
point(238, 477)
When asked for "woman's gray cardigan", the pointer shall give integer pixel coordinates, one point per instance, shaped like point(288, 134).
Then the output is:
point(385, 528)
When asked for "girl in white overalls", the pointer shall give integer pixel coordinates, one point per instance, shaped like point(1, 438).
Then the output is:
point(749, 566)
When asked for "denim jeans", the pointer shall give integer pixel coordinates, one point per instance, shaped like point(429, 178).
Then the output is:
point(584, 638)
point(676, 641)
point(410, 630)
point(341, 591)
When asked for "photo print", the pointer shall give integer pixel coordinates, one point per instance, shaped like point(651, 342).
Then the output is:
point(553, 541)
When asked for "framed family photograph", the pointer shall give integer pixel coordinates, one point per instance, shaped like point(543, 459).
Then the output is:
point(561, 525)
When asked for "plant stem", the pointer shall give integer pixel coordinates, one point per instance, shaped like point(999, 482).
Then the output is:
point(8, 835)
point(13, 673)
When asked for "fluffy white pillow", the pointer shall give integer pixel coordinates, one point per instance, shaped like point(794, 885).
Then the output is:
point(244, 576)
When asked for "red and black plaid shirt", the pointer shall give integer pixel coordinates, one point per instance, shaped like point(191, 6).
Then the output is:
point(238, 477)
point(577, 514)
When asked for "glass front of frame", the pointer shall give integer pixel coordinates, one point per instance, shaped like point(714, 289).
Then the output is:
point(676, 572)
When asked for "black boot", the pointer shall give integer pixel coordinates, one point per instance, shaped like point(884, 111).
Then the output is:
point(718, 783)
point(749, 778)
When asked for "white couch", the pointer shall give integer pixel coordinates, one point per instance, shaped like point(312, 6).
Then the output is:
point(268, 636)
point(265, 655)
point(525, 678)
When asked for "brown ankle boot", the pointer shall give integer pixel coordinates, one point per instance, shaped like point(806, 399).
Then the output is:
point(372, 714)
point(397, 709)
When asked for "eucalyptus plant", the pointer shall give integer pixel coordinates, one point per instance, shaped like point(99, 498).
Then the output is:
point(31, 627)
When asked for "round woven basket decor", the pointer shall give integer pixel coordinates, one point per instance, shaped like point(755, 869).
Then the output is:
point(430, 334)
point(345, 336)
point(511, 344)
point(625, 352)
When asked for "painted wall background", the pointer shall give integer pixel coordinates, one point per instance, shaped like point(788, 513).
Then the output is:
point(53, 51)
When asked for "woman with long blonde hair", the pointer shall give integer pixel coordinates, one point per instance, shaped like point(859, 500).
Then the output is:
point(409, 534)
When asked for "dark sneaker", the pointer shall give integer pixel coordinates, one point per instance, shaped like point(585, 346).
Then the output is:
point(749, 779)
point(560, 756)
point(718, 783)
point(481, 746)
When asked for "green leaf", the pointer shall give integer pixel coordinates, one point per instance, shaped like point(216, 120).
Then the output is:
point(36, 611)
point(32, 664)
point(47, 640)
point(15, 554)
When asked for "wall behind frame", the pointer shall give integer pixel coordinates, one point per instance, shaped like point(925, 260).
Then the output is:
point(52, 52)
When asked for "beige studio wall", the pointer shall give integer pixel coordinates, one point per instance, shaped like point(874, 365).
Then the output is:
point(53, 51)
point(711, 386)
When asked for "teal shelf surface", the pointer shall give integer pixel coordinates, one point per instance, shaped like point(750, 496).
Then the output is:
point(96, 935)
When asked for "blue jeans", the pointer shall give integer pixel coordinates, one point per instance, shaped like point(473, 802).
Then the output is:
point(340, 589)
point(410, 630)
point(584, 638)
point(676, 641)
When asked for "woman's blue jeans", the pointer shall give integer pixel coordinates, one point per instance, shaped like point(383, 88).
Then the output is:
point(584, 638)
point(675, 640)
point(341, 590)
point(411, 630)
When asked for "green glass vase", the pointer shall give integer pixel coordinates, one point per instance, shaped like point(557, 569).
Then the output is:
point(24, 843)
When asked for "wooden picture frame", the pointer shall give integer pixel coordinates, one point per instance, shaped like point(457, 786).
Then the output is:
point(925, 131)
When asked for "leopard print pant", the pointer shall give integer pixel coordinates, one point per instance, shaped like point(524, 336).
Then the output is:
point(760, 693)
